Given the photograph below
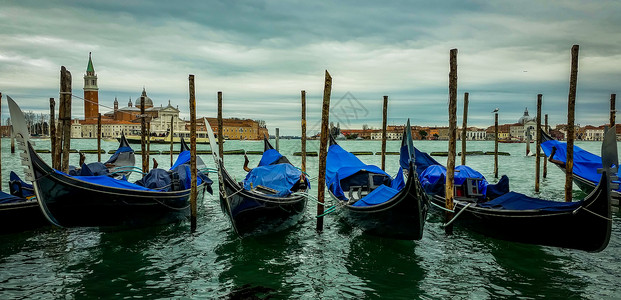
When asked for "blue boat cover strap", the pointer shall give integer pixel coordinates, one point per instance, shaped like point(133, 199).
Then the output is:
point(279, 177)
point(517, 201)
point(379, 195)
point(586, 163)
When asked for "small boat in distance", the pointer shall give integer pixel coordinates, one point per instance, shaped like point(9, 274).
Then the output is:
point(369, 199)
point(164, 137)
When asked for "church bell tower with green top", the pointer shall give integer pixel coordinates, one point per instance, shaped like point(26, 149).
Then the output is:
point(91, 92)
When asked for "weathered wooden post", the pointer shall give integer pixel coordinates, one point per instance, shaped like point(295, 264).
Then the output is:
point(464, 127)
point(13, 138)
point(496, 145)
point(528, 139)
point(571, 109)
point(172, 137)
point(65, 96)
point(99, 137)
point(323, 151)
point(220, 128)
point(193, 171)
point(0, 143)
point(545, 161)
point(450, 165)
point(303, 131)
point(538, 151)
point(384, 124)
point(613, 109)
point(148, 154)
point(277, 139)
point(52, 132)
point(143, 133)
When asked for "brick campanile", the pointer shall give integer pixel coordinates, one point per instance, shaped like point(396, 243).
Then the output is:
point(91, 92)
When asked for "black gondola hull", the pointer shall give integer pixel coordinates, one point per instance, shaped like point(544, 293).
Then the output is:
point(69, 202)
point(401, 217)
point(578, 229)
point(16, 217)
point(253, 213)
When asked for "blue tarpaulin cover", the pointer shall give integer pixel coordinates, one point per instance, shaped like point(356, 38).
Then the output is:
point(586, 163)
point(379, 195)
point(422, 160)
point(517, 201)
point(108, 181)
point(8, 198)
point(19, 187)
point(432, 175)
point(280, 177)
point(183, 158)
point(270, 156)
point(341, 164)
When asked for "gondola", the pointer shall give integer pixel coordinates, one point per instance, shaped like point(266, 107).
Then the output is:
point(122, 162)
point(369, 199)
point(585, 167)
point(271, 198)
point(70, 201)
point(498, 213)
point(19, 210)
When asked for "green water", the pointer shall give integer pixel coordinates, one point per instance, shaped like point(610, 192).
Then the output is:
point(341, 262)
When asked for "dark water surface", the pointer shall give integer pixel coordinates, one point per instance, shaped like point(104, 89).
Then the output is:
point(341, 262)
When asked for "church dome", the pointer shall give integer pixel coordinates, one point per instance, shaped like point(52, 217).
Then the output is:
point(526, 118)
point(147, 102)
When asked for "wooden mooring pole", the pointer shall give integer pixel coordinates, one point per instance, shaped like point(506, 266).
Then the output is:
point(496, 145)
point(193, 171)
point(538, 146)
point(172, 137)
point(277, 139)
point(304, 131)
point(99, 137)
point(571, 109)
point(0, 144)
point(52, 132)
point(65, 105)
point(143, 133)
point(613, 109)
point(528, 139)
point(450, 165)
point(464, 128)
point(384, 123)
point(220, 129)
point(13, 138)
point(545, 161)
point(323, 149)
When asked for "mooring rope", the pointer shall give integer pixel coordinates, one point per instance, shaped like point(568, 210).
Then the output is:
point(442, 207)
point(457, 215)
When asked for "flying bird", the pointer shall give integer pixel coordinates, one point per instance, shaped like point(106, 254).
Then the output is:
point(495, 110)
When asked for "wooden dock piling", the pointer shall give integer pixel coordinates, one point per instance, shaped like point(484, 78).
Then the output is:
point(450, 165)
point(384, 123)
point(193, 171)
point(277, 139)
point(464, 127)
point(65, 106)
point(303, 131)
point(496, 145)
point(613, 109)
point(571, 109)
point(538, 146)
point(220, 129)
point(52, 132)
point(143, 133)
point(172, 137)
point(99, 137)
point(0, 145)
point(323, 149)
point(12, 138)
point(545, 161)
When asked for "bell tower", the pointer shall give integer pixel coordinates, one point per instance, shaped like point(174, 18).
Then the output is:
point(91, 92)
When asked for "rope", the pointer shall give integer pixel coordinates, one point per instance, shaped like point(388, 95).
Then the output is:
point(457, 215)
point(442, 207)
point(596, 214)
point(330, 210)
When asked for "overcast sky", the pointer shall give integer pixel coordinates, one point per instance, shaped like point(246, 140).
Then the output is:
point(261, 54)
